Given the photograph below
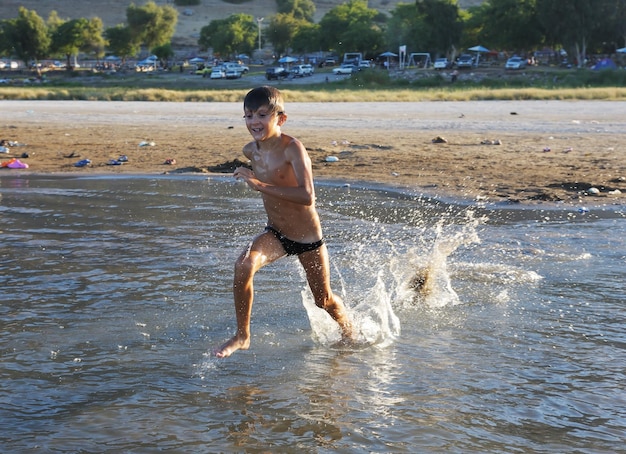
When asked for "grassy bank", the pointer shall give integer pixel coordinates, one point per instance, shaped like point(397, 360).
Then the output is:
point(368, 86)
point(313, 95)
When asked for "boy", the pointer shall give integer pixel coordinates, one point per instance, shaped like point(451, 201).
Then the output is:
point(281, 172)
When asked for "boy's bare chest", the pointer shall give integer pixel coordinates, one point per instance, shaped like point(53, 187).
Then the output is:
point(271, 168)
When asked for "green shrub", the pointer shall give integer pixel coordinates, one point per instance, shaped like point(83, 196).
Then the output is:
point(370, 78)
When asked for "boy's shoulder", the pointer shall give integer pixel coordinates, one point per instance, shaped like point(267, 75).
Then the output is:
point(290, 141)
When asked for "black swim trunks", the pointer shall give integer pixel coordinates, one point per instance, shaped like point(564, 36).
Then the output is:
point(293, 247)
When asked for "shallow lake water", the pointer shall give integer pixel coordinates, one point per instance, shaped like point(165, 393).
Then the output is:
point(116, 290)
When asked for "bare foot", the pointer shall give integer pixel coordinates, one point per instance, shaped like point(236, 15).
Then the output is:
point(347, 331)
point(231, 346)
point(351, 343)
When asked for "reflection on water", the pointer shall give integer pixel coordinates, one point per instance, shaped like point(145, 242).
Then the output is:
point(117, 288)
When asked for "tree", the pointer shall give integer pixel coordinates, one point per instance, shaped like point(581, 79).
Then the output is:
point(164, 53)
point(443, 23)
point(78, 35)
point(299, 9)
point(306, 39)
point(235, 34)
point(572, 24)
point(67, 38)
point(512, 24)
point(619, 16)
point(281, 32)
point(406, 27)
point(53, 22)
point(611, 33)
point(27, 35)
point(6, 47)
point(336, 24)
point(151, 25)
point(93, 39)
point(121, 42)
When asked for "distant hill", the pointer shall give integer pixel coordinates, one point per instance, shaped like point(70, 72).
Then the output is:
point(190, 19)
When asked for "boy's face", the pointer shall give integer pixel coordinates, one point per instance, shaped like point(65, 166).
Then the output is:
point(264, 122)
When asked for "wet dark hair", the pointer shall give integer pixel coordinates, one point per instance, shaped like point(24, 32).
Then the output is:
point(264, 96)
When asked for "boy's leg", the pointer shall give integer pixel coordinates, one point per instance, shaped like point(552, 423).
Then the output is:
point(264, 250)
point(317, 268)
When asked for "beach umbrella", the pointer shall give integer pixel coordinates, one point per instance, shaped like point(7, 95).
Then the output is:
point(622, 50)
point(388, 55)
point(478, 49)
point(196, 60)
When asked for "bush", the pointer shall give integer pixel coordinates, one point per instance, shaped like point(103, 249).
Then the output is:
point(370, 78)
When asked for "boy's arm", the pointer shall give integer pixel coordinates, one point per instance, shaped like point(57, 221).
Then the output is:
point(302, 193)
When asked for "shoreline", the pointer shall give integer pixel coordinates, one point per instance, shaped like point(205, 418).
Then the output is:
point(513, 152)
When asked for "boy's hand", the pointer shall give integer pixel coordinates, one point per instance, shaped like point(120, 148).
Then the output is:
point(247, 175)
point(243, 173)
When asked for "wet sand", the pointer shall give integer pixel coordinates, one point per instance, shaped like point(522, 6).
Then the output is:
point(495, 151)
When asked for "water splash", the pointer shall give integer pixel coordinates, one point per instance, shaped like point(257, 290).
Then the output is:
point(426, 279)
point(383, 277)
point(374, 320)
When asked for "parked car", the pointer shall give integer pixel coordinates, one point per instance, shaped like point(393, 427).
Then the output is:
point(363, 64)
point(465, 61)
point(515, 63)
point(345, 69)
point(302, 70)
point(232, 73)
point(218, 73)
point(276, 73)
point(441, 63)
point(203, 71)
point(237, 67)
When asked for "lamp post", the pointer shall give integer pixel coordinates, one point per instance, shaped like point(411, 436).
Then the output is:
point(259, 20)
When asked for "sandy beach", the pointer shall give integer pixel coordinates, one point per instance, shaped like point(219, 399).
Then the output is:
point(495, 151)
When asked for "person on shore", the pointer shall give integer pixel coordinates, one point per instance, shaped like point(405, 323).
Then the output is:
point(281, 172)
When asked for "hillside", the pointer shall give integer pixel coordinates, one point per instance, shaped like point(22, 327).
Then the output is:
point(113, 12)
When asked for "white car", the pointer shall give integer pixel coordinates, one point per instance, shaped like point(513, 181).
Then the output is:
point(515, 63)
point(345, 69)
point(302, 70)
point(441, 63)
point(7, 65)
point(364, 64)
point(218, 73)
point(232, 73)
point(242, 69)
point(465, 61)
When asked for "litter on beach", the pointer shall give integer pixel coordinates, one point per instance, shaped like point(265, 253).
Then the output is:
point(14, 164)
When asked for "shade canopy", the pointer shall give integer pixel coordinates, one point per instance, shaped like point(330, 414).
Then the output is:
point(287, 59)
point(622, 50)
point(388, 54)
point(478, 49)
